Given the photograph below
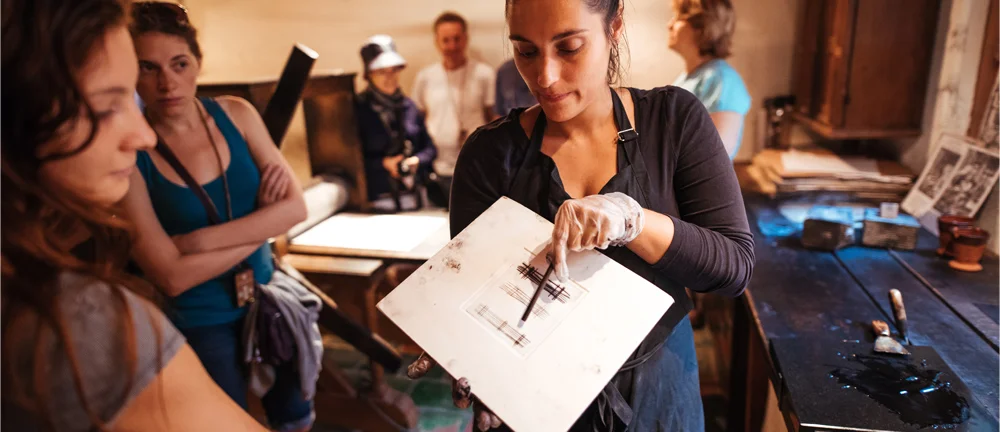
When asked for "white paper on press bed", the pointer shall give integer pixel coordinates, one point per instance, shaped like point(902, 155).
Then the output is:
point(393, 232)
point(463, 308)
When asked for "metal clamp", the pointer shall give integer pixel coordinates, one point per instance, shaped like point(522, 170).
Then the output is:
point(627, 134)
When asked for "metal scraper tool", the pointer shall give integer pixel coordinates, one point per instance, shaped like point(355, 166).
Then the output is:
point(896, 298)
point(884, 343)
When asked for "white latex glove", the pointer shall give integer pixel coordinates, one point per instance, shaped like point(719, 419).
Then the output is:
point(596, 221)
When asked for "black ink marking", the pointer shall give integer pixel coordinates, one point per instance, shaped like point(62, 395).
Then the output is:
point(917, 395)
point(453, 264)
point(501, 324)
point(514, 292)
point(552, 289)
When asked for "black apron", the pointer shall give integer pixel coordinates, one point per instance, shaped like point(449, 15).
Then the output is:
point(612, 409)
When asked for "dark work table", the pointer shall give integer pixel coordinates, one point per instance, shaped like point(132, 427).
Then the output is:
point(806, 311)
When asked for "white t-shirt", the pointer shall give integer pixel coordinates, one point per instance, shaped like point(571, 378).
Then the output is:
point(455, 101)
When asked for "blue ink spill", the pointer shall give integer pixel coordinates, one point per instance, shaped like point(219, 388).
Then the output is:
point(917, 395)
point(776, 229)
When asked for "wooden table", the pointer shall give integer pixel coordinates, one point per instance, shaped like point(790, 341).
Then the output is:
point(376, 407)
point(351, 254)
point(409, 239)
point(818, 299)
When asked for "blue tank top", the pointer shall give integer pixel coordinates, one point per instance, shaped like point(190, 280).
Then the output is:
point(180, 212)
point(720, 88)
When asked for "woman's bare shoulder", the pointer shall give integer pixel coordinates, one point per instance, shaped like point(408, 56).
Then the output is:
point(240, 110)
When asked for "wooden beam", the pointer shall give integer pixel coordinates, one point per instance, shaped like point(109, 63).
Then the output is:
point(360, 337)
point(281, 105)
point(989, 66)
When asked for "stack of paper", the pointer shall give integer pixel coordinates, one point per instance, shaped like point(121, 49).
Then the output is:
point(805, 171)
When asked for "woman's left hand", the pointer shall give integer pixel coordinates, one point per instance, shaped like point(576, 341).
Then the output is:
point(594, 222)
point(274, 183)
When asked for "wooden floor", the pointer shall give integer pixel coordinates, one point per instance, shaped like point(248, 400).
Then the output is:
point(711, 373)
point(432, 395)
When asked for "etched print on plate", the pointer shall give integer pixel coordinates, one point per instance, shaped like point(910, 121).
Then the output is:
point(500, 303)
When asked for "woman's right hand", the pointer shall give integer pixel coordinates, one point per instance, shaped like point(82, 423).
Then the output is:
point(593, 222)
point(274, 184)
point(461, 394)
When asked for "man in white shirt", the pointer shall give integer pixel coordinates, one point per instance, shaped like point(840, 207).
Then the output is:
point(457, 94)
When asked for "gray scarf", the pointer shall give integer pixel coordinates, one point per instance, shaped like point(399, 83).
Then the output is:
point(390, 109)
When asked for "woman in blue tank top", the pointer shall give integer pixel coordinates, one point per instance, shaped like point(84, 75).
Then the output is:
point(224, 144)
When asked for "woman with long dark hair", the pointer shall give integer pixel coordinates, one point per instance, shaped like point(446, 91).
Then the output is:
point(641, 175)
point(83, 347)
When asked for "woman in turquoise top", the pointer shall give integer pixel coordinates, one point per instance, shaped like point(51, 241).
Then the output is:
point(702, 32)
point(176, 246)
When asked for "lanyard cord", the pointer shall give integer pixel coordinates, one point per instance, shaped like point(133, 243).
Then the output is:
point(218, 158)
point(461, 93)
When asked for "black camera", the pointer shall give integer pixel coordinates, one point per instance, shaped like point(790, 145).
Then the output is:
point(402, 168)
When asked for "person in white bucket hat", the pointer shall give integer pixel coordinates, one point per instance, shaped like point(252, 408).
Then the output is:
point(398, 150)
point(379, 52)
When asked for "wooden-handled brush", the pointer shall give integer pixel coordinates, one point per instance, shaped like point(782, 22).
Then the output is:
point(896, 298)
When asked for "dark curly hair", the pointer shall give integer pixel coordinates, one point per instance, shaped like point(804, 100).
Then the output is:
point(609, 11)
point(167, 18)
